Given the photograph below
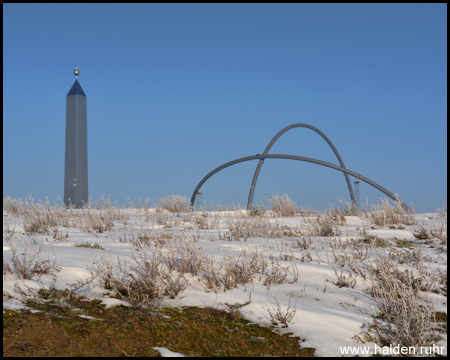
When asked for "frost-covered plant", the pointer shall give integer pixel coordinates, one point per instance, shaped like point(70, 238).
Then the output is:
point(174, 203)
point(97, 221)
point(39, 218)
point(324, 224)
point(442, 212)
point(403, 318)
point(258, 211)
point(278, 274)
point(185, 257)
point(28, 262)
point(344, 280)
point(245, 227)
point(144, 281)
point(433, 232)
point(282, 205)
point(205, 220)
point(349, 209)
point(13, 206)
point(280, 316)
point(387, 215)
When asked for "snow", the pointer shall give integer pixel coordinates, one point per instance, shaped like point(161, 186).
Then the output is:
point(89, 317)
point(167, 353)
point(327, 317)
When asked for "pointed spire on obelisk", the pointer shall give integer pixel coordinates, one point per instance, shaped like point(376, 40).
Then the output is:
point(75, 167)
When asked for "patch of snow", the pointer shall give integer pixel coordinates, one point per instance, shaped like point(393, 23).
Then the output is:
point(167, 353)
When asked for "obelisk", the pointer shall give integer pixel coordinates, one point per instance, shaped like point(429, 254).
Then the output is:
point(76, 162)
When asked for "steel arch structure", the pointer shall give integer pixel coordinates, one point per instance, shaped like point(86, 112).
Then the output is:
point(275, 138)
point(298, 158)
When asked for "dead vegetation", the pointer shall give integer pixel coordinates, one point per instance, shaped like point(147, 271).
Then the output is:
point(166, 256)
point(384, 214)
point(282, 205)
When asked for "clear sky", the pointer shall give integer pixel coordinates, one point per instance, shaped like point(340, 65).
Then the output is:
point(175, 90)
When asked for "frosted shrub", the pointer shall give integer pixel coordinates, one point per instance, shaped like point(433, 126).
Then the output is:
point(258, 211)
point(29, 261)
point(403, 318)
point(387, 215)
point(161, 216)
point(349, 209)
point(442, 212)
point(237, 269)
point(282, 205)
point(144, 281)
point(343, 280)
point(13, 206)
point(433, 232)
point(110, 211)
point(40, 217)
point(204, 220)
point(185, 257)
point(280, 316)
point(174, 203)
point(97, 221)
point(325, 224)
point(245, 227)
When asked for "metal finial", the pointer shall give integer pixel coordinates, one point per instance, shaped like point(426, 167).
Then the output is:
point(76, 72)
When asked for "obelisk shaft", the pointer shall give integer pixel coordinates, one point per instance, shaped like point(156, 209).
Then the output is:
point(76, 161)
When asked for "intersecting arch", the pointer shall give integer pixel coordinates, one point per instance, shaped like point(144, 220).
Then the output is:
point(275, 138)
point(299, 158)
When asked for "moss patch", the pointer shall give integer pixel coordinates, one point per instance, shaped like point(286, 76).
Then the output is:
point(122, 331)
point(376, 241)
point(441, 320)
point(403, 243)
point(90, 246)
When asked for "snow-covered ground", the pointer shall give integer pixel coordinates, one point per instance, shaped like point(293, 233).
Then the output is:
point(302, 270)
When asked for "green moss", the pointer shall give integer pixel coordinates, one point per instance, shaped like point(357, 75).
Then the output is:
point(9, 313)
point(91, 246)
point(441, 320)
point(404, 243)
point(376, 241)
point(124, 331)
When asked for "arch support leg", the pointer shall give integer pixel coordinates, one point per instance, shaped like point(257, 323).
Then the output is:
point(275, 138)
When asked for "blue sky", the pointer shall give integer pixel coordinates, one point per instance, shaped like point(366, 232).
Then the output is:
point(175, 90)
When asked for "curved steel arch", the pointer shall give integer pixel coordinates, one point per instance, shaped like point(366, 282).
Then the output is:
point(299, 158)
point(275, 138)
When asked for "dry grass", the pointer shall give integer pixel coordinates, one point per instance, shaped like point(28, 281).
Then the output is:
point(139, 283)
point(280, 316)
point(42, 218)
point(158, 269)
point(435, 230)
point(175, 204)
point(343, 280)
point(245, 227)
point(403, 317)
point(326, 223)
point(13, 206)
point(30, 260)
point(164, 262)
point(387, 215)
point(205, 220)
point(282, 205)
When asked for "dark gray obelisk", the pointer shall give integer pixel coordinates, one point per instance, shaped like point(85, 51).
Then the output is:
point(76, 162)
